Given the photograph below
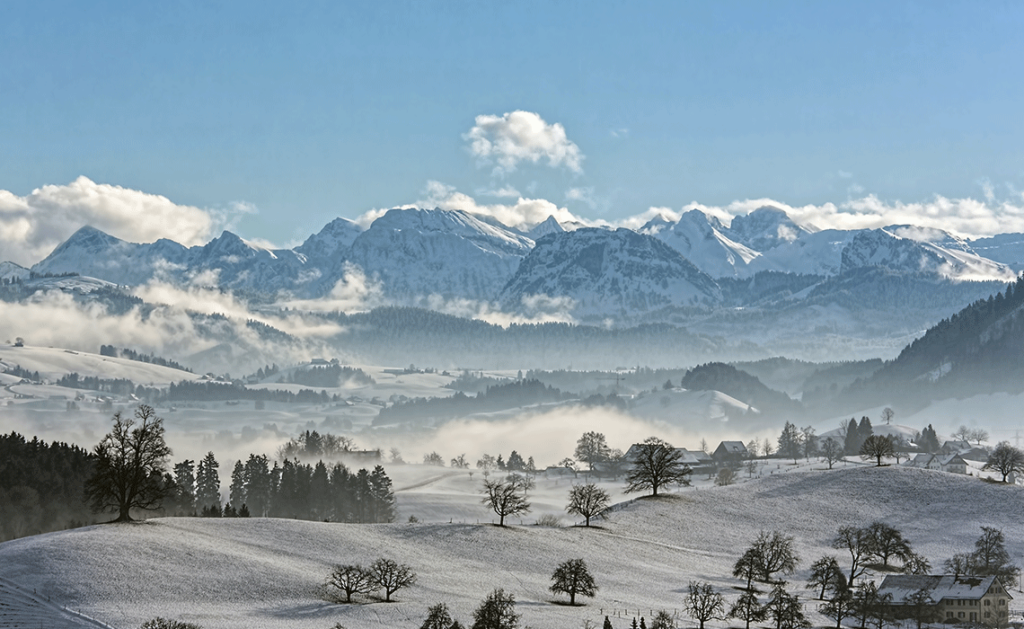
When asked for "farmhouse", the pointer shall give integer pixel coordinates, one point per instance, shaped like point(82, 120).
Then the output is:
point(729, 453)
point(956, 599)
point(952, 463)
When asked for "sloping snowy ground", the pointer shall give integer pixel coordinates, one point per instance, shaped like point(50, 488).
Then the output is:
point(52, 363)
point(264, 573)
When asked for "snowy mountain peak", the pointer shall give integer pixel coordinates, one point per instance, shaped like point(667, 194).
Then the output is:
point(620, 274)
point(547, 226)
point(766, 228)
point(702, 238)
point(335, 238)
point(880, 247)
point(453, 222)
point(88, 238)
point(11, 270)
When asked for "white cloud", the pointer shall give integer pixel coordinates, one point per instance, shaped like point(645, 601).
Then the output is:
point(536, 309)
point(619, 133)
point(354, 292)
point(639, 220)
point(523, 214)
point(503, 192)
point(522, 136)
point(582, 195)
point(32, 225)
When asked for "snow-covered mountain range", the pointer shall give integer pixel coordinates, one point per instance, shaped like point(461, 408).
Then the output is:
point(412, 254)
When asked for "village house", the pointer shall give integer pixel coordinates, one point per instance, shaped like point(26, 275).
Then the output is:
point(957, 599)
point(952, 463)
point(729, 453)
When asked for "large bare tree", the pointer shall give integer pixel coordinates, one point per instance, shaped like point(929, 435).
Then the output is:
point(130, 463)
point(1005, 459)
point(506, 496)
point(655, 465)
point(588, 501)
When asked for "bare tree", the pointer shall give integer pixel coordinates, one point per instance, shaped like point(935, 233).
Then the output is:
point(498, 611)
point(886, 542)
point(591, 448)
point(785, 609)
point(876, 447)
point(963, 433)
point(826, 574)
point(887, 415)
point(438, 617)
point(656, 464)
point(506, 497)
point(588, 501)
point(351, 579)
point(748, 566)
point(855, 541)
point(572, 577)
point(840, 606)
point(391, 576)
point(131, 461)
point(1005, 459)
point(460, 462)
point(703, 603)
point(775, 554)
point(748, 609)
point(978, 435)
point(832, 450)
point(990, 557)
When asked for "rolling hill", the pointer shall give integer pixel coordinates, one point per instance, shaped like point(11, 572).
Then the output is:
point(259, 573)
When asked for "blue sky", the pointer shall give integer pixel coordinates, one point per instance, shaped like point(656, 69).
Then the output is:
point(307, 111)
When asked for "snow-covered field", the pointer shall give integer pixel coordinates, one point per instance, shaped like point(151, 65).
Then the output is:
point(258, 573)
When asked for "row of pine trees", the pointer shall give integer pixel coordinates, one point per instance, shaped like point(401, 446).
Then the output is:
point(289, 490)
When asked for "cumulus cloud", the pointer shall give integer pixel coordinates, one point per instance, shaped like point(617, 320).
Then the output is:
point(521, 136)
point(582, 195)
point(639, 220)
point(523, 214)
point(535, 309)
point(354, 292)
point(502, 192)
point(32, 225)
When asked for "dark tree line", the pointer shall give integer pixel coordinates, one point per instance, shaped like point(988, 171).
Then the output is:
point(289, 490)
point(223, 391)
point(130, 354)
point(327, 376)
point(41, 486)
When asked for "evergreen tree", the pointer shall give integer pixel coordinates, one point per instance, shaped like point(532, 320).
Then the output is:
point(319, 493)
point(208, 482)
point(790, 443)
point(382, 496)
point(864, 430)
point(851, 444)
point(185, 482)
point(236, 493)
point(257, 484)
